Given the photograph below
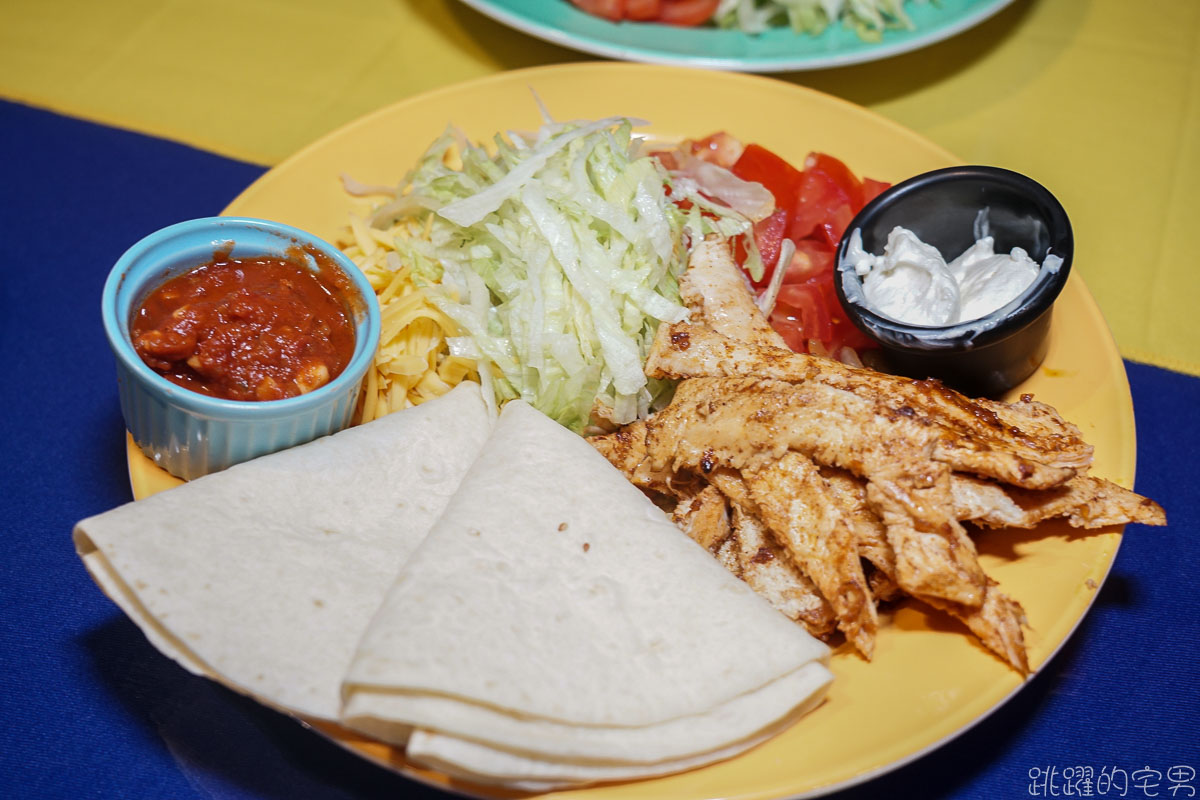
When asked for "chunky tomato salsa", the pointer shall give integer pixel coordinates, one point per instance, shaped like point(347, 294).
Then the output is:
point(263, 328)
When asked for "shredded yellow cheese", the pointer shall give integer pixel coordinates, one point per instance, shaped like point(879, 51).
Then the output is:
point(413, 363)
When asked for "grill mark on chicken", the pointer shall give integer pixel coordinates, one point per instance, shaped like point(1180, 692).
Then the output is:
point(733, 486)
point(718, 294)
point(879, 583)
point(626, 450)
point(930, 564)
point(997, 622)
point(850, 494)
point(818, 614)
point(1084, 501)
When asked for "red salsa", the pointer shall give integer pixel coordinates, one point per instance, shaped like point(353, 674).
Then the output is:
point(263, 328)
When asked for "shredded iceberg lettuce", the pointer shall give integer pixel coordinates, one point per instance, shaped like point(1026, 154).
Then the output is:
point(557, 253)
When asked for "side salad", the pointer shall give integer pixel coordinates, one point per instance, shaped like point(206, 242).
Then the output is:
point(548, 259)
point(867, 18)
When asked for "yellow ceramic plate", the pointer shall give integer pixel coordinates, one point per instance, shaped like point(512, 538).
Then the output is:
point(929, 680)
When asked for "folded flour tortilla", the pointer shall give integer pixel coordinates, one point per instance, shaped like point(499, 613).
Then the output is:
point(733, 720)
point(556, 627)
point(263, 576)
point(481, 763)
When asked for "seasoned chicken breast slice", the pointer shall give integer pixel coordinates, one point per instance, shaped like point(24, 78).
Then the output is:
point(715, 289)
point(794, 501)
point(704, 517)
point(752, 554)
point(998, 623)
point(999, 620)
point(1085, 502)
point(1025, 443)
point(746, 424)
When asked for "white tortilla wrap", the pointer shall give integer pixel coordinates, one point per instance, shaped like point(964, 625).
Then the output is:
point(264, 576)
point(558, 609)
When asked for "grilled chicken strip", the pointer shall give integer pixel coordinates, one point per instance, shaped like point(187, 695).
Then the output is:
point(745, 424)
point(716, 291)
point(881, 585)
point(930, 563)
point(1025, 444)
point(744, 546)
point(997, 622)
point(850, 494)
point(750, 551)
point(793, 500)
point(747, 549)
point(1085, 501)
point(752, 554)
point(704, 517)
point(626, 450)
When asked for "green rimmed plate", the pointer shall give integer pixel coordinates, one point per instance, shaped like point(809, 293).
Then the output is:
point(776, 50)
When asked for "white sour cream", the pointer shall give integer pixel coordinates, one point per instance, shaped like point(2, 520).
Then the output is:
point(912, 283)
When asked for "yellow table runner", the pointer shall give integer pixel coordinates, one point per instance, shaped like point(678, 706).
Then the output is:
point(1097, 99)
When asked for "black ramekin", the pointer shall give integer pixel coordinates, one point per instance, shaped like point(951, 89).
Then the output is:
point(987, 356)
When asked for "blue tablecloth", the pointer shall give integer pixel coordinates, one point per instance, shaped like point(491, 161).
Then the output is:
point(90, 709)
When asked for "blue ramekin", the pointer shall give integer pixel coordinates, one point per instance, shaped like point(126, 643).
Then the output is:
point(190, 434)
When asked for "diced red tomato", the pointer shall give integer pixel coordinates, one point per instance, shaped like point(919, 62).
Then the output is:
point(768, 235)
point(719, 148)
point(669, 12)
point(818, 203)
point(643, 10)
point(813, 208)
point(687, 12)
point(819, 198)
point(845, 334)
point(782, 179)
point(759, 164)
point(801, 314)
point(839, 173)
point(848, 335)
point(812, 258)
point(609, 9)
point(832, 228)
point(872, 189)
point(809, 311)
